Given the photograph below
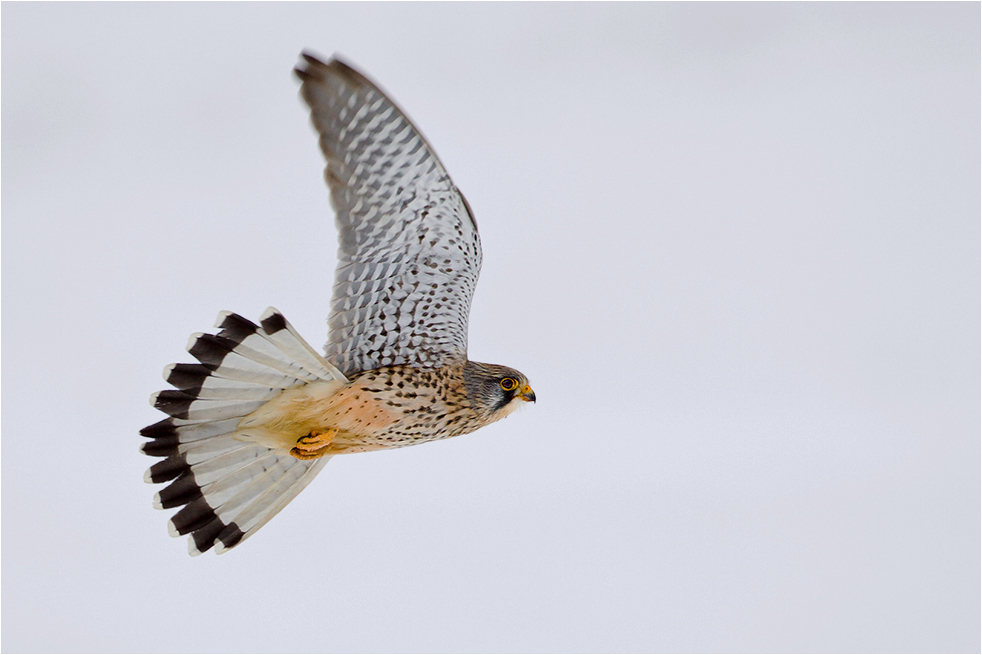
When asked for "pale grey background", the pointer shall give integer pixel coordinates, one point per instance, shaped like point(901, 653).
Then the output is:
point(735, 248)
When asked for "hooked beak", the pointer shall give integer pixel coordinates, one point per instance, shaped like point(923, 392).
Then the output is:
point(527, 394)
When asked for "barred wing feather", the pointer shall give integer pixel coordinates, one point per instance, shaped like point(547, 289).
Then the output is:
point(409, 252)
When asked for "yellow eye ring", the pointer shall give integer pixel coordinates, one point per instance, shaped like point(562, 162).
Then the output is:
point(509, 384)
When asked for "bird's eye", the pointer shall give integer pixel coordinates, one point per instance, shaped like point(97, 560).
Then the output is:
point(508, 384)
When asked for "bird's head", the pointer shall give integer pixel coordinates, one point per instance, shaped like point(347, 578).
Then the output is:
point(496, 391)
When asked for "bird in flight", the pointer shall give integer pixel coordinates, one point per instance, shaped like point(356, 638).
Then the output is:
point(261, 413)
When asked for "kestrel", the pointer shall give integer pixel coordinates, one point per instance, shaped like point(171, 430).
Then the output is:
point(261, 414)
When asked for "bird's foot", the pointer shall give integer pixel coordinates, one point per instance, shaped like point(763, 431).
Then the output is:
point(314, 445)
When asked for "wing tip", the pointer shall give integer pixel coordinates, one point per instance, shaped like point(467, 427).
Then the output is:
point(311, 63)
point(315, 68)
point(313, 58)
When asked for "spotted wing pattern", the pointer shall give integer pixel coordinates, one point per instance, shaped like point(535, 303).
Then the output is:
point(409, 252)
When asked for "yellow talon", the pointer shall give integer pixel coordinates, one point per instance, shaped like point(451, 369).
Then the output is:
point(314, 445)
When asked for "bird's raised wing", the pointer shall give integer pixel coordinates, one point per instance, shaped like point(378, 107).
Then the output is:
point(409, 253)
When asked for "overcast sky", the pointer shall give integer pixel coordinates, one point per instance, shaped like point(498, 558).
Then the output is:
point(734, 247)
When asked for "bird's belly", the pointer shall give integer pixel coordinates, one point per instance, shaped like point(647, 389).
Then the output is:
point(366, 418)
point(372, 419)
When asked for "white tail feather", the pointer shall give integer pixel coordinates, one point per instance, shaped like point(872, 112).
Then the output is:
point(229, 484)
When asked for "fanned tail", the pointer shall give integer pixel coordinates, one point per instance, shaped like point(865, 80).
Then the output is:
point(229, 487)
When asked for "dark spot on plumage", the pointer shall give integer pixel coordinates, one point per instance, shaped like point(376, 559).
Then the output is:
point(160, 429)
point(162, 447)
point(188, 377)
point(204, 538)
point(196, 514)
point(211, 349)
point(169, 469)
point(237, 329)
point(231, 535)
point(273, 323)
point(173, 402)
point(180, 492)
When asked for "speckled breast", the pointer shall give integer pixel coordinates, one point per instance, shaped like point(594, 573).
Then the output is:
point(397, 406)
